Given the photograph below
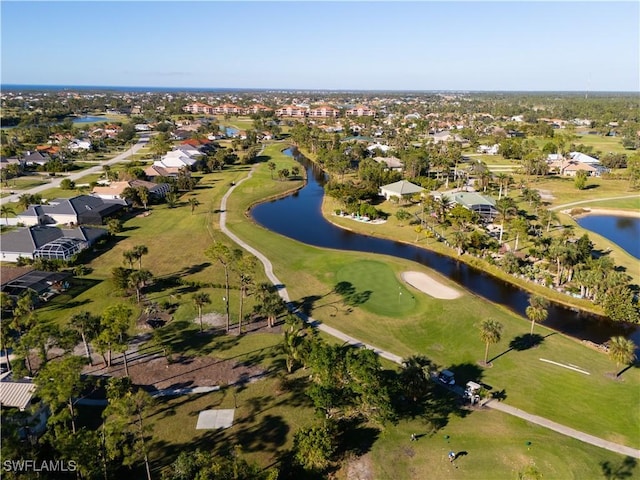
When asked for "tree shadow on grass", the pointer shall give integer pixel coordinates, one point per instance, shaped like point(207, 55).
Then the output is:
point(268, 435)
point(525, 342)
point(522, 343)
point(350, 296)
point(355, 437)
point(613, 471)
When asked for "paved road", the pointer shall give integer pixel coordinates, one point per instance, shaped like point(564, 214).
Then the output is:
point(55, 182)
point(614, 447)
point(559, 207)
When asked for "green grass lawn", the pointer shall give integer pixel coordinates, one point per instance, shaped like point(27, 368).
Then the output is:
point(25, 183)
point(240, 123)
point(564, 191)
point(603, 144)
point(495, 447)
point(376, 288)
point(446, 331)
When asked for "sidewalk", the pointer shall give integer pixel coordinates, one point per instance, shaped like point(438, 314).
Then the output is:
point(543, 422)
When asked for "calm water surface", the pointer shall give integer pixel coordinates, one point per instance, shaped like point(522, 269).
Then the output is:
point(299, 217)
point(623, 231)
point(90, 119)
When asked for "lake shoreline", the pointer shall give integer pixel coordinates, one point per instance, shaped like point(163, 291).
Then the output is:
point(614, 212)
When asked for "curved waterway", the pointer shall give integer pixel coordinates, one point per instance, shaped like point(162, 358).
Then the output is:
point(299, 216)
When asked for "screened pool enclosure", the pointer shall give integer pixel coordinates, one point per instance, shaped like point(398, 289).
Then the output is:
point(60, 249)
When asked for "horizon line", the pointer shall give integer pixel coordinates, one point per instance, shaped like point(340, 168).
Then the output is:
point(166, 88)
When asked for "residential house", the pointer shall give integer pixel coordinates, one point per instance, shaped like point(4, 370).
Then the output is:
point(79, 144)
point(115, 190)
point(572, 168)
point(488, 150)
point(155, 171)
point(6, 161)
point(400, 190)
point(16, 394)
point(36, 158)
point(391, 163)
point(44, 284)
point(482, 205)
point(515, 134)
point(79, 210)
point(47, 242)
point(379, 146)
point(583, 158)
point(176, 158)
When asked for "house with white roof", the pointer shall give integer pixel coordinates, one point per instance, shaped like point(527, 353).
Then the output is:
point(489, 150)
point(379, 146)
point(583, 158)
point(176, 159)
point(79, 144)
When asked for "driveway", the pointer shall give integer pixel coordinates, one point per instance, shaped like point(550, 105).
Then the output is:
point(55, 182)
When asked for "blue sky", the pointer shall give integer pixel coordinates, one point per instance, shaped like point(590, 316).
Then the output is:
point(325, 45)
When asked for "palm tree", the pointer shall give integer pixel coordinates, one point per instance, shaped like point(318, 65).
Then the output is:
point(129, 257)
point(194, 203)
point(143, 195)
point(272, 168)
point(506, 209)
point(414, 376)
point(5, 211)
point(201, 299)
point(521, 227)
point(459, 241)
point(24, 201)
point(139, 251)
point(490, 332)
point(138, 280)
point(269, 303)
point(621, 351)
point(293, 341)
point(442, 206)
point(548, 217)
point(172, 199)
point(501, 178)
point(537, 311)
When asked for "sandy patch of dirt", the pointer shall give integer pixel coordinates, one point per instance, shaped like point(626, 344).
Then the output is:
point(358, 468)
point(155, 373)
point(430, 285)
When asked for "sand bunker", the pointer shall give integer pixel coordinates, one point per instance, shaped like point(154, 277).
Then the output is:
point(430, 285)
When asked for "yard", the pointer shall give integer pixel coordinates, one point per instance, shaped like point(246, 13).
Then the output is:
point(444, 330)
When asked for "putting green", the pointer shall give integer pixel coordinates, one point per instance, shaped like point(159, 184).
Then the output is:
point(374, 286)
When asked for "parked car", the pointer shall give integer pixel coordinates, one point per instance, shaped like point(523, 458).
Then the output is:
point(447, 377)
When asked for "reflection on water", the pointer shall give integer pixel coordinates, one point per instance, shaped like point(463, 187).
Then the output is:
point(623, 231)
point(299, 217)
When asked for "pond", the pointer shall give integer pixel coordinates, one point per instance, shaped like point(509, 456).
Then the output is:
point(298, 216)
point(90, 119)
point(623, 231)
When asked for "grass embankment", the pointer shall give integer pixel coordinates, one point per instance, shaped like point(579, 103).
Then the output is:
point(267, 415)
point(446, 332)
